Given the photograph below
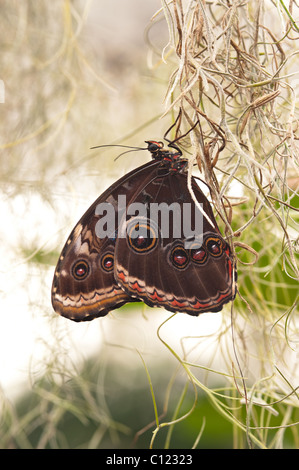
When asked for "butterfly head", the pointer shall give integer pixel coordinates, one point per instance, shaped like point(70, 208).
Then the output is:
point(173, 160)
point(156, 149)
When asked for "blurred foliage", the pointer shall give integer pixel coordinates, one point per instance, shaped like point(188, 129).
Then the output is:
point(83, 414)
point(265, 282)
point(119, 415)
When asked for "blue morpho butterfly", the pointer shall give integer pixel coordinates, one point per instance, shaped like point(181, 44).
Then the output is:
point(136, 260)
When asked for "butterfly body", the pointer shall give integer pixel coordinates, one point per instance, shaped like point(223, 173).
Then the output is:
point(143, 257)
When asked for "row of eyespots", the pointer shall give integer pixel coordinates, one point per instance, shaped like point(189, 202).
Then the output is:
point(145, 240)
point(213, 246)
point(81, 268)
point(180, 257)
point(141, 238)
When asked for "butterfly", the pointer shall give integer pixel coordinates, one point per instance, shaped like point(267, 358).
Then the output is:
point(146, 239)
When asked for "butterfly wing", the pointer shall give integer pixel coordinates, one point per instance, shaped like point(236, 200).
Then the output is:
point(161, 270)
point(84, 286)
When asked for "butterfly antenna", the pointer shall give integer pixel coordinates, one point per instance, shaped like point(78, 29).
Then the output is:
point(131, 148)
point(128, 151)
point(118, 145)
